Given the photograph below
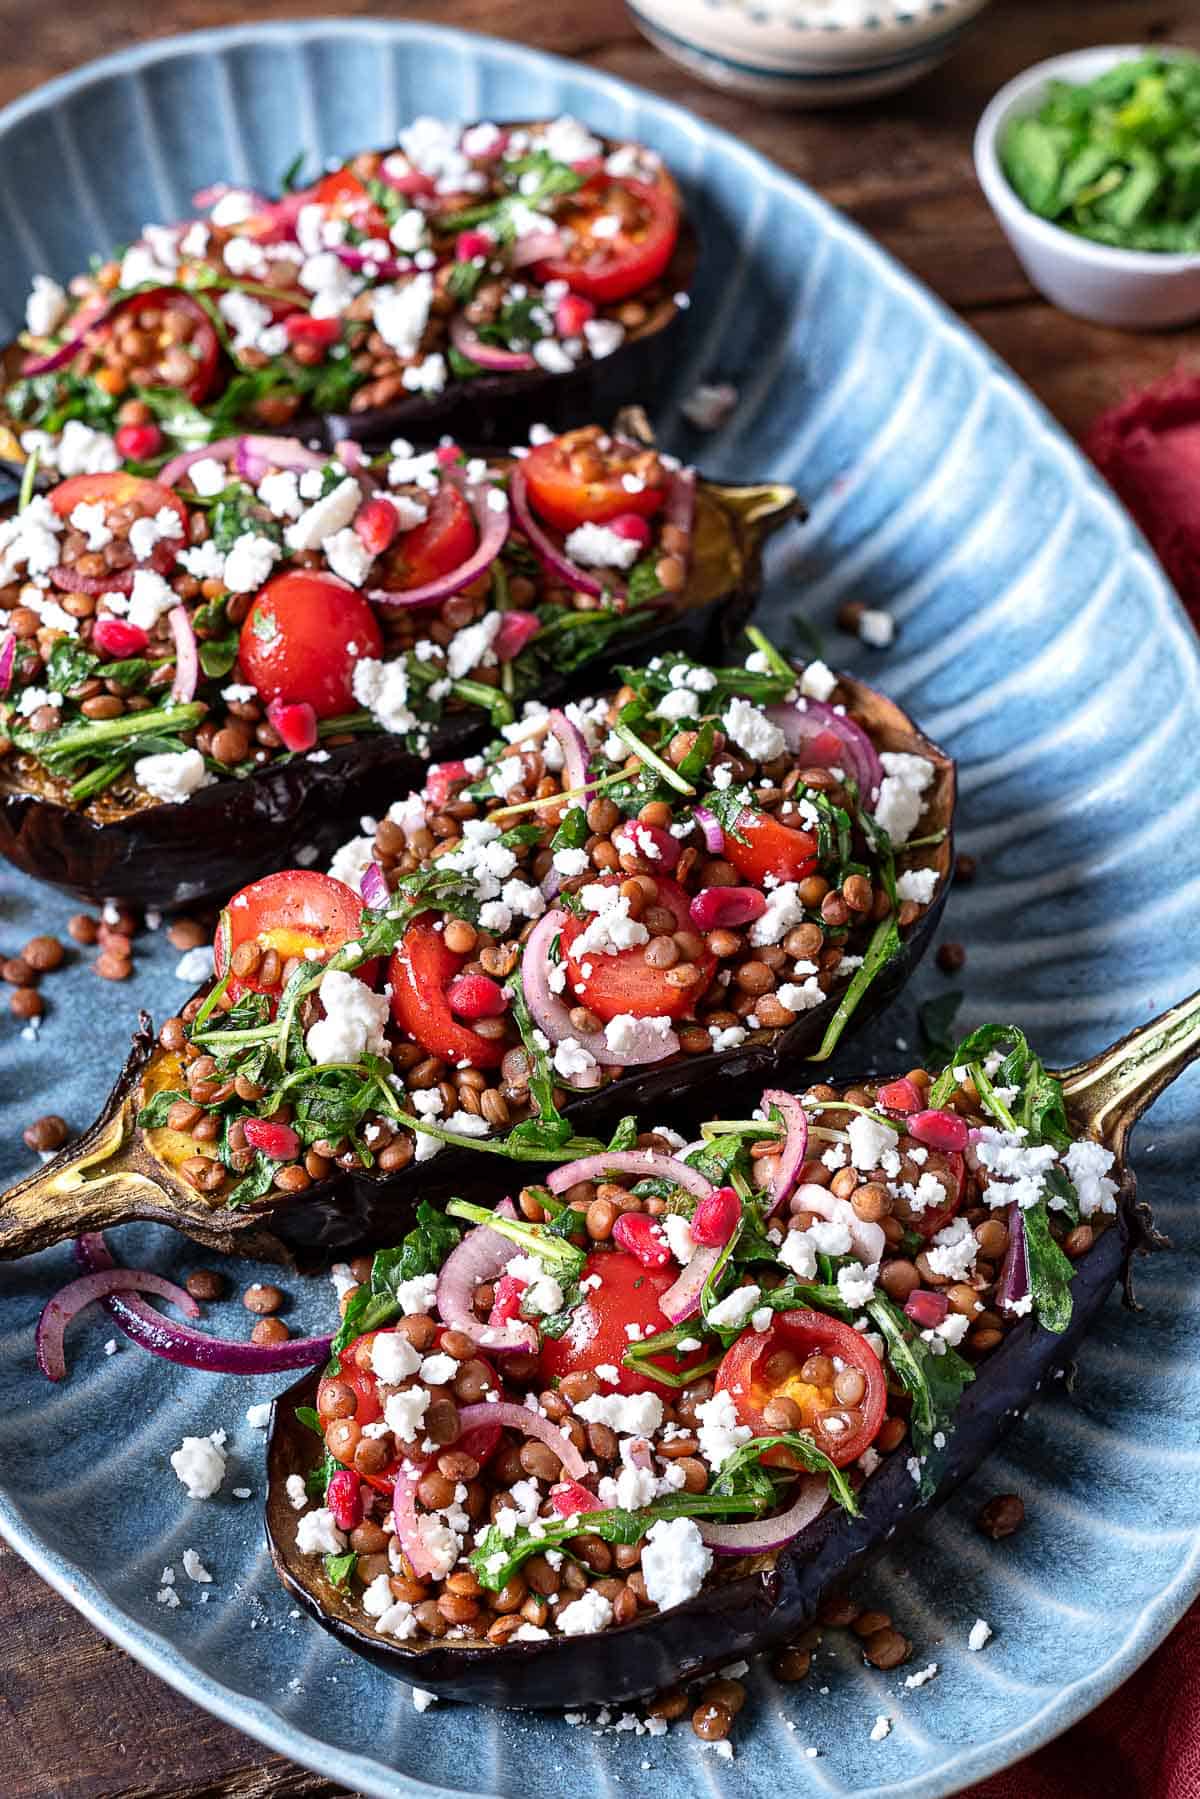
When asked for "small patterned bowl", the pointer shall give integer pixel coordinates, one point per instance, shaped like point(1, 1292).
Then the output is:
point(806, 53)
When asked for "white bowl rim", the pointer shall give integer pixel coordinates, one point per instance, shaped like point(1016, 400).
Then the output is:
point(1003, 197)
point(911, 31)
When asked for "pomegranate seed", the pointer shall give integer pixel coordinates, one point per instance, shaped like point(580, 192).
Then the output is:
point(448, 454)
point(652, 844)
point(295, 721)
point(113, 637)
point(632, 526)
point(941, 1130)
point(376, 524)
point(507, 1300)
point(516, 629)
point(715, 1218)
point(343, 1496)
point(476, 996)
point(279, 1141)
point(302, 328)
point(724, 908)
point(469, 244)
point(899, 1096)
point(570, 1499)
point(642, 1237)
point(926, 1309)
point(572, 314)
point(137, 443)
point(441, 781)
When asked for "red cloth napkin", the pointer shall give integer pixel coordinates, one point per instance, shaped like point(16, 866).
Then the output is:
point(1143, 1743)
point(1148, 448)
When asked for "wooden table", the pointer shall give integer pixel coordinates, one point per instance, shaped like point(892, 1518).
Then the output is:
point(78, 1718)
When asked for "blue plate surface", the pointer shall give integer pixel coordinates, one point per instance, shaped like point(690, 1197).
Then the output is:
point(1036, 638)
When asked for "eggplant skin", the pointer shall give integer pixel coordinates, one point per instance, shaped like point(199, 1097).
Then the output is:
point(296, 812)
point(744, 1611)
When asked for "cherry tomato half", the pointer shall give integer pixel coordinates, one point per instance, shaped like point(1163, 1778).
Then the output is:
point(565, 499)
point(624, 982)
point(419, 973)
point(611, 267)
point(302, 638)
point(441, 543)
point(770, 848)
point(119, 490)
point(168, 305)
point(766, 1365)
point(291, 912)
point(628, 1294)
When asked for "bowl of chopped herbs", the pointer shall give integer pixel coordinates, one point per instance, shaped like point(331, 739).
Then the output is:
point(1091, 163)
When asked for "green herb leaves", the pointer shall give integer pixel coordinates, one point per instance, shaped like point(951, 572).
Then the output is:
point(934, 1383)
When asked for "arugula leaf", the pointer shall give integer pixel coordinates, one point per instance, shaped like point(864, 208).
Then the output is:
point(338, 1568)
point(884, 945)
point(317, 1479)
point(289, 181)
point(256, 1182)
point(933, 1382)
point(1050, 1272)
point(306, 1414)
point(153, 1116)
point(730, 1474)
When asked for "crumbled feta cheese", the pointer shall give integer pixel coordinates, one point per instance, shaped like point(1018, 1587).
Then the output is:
point(324, 516)
point(641, 1039)
point(599, 546)
point(611, 930)
point(876, 627)
point(382, 687)
point(422, 1699)
point(752, 731)
point(817, 682)
point(902, 794)
point(45, 307)
point(798, 1252)
point(472, 646)
point(258, 1417)
point(880, 1728)
point(733, 1311)
point(868, 1141)
point(719, 1431)
point(195, 1570)
point(150, 597)
point(1087, 1164)
point(249, 563)
point(632, 1414)
point(393, 1357)
point(297, 1492)
point(603, 337)
point(354, 1020)
point(801, 997)
point(857, 1285)
point(918, 884)
point(572, 1060)
point(542, 1294)
point(317, 1533)
point(172, 775)
point(208, 477)
point(675, 1561)
point(709, 405)
point(785, 909)
point(953, 1251)
point(586, 1615)
point(199, 1463)
point(678, 1233)
point(980, 1633)
point(404, 1412)
point(401, 313)
point(922, 1678)
point(195, 965)
point(1016, 1170)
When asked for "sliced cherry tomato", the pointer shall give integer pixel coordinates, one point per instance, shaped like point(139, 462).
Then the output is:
point(341, 189)
point(596, 1336)
point(929, 1222)
point(302, 638)
point(480, 1441)
point(291, 912)
point(439, 545)
point(611, 267)
point(766, 1365)
point(624, 982)
point(565, 499)
point(419, 973)
point(119, 490)
point(770, 848)
point(202, 341)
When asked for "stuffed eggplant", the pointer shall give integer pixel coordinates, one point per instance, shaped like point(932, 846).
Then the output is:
point(471, 280)
point(678, 882)
point(665, 1403)
point(205, 673)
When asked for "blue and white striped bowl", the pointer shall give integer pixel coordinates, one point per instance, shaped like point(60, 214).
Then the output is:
point(1036, 637)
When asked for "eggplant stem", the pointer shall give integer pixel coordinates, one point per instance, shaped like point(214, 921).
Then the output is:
point(1109, 1093)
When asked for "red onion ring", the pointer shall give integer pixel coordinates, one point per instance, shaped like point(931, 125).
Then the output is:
point(279, 452)
point(481, 1255)
point(802, 721)
point(192, 1349)
point(714, 836)
point(763, 1534)
point(408, 1526)
point(682, 1301)
point(576, 754)
point(545, 549)
point(67, 576)
point(642, 1164)
point(531, 1424)
point(386, 266)
point(187, 655)
point(82, 327)
point(492, 520)
point(373, 886)
point(1013, 1284)
point(795, 1145)
point(58, 1312)
point(8, 657)
point(553, 1018)
point(492, 357)
point(537, 247)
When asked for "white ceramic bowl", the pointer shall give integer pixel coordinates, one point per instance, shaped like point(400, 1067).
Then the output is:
point(1137, 290)
point(799, 52)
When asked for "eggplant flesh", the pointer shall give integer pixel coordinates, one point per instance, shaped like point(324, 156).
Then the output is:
point(295, 812)
point(748, 1604)
point(367, 1209)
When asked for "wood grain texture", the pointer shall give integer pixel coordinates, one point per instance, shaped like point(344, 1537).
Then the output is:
point(78, 1718)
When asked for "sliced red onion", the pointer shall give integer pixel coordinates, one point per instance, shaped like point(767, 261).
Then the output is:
point(492, 517)
point(8, 657)
point(406, 181)
point(67, 576)
point(680, 507)
point(277, 452)
point(516, 630)
point(806, 720)
point(642, 1164)
point(682, 1301)
point(386, 267)
point(492, 357)
point(480, 1256)
point(249, 463)
point(1013, 1285)
point(373, 886)
point(349, 454)
point(867, 1241)
point(511, 1416)
point(406, 1522)
point(187, 655)
point(551, 883)
point(58, 1312)
point(714, 836)
point(83, 324)
point(553, 1017)
point(576, 754)
point(763, 1534)
point(538, 246)
point(545, 549)
point(795, 1145)
point(192, 1349)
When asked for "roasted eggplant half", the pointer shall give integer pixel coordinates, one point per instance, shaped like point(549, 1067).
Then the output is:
point(685, 881)
point(975, 1225)
point(208, 673)
point(469, 280)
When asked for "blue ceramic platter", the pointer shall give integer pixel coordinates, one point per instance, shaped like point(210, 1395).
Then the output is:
point(1037, 639)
